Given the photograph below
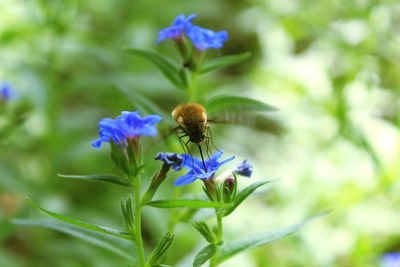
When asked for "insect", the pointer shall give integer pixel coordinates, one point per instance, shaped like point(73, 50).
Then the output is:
point(192, 120)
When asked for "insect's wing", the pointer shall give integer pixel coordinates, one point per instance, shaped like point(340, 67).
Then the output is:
point(243, 111)
point(257, 121)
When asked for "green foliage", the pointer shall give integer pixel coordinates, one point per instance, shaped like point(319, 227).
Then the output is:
point(127, 212)
point(244, 194)
point(120, 160)
point(188, 203)
point(85, 225)
point(204, 255)
point(232, 248)
point(205, 231)
point(108, 178)
point(115, 244)
point(223, 61)
point(159, 251)
point(164, 65)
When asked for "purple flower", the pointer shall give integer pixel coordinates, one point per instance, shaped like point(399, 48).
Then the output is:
point(244, 169)
point(196, 168)
point(5, 91)
point(391, 259)
point(175, 31)
point(171, 159)
point(205, 38)
point(127, 126)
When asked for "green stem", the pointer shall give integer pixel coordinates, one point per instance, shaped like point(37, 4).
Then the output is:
point(214, 260)
point(192, 87)
point(138, 221)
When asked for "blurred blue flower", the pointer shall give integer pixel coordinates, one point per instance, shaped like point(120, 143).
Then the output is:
point(5, 91)
point(172, 159)
point(196, 168)
point(205, 38)
point(175, 31)
point(244, 169)
point(127, 126)
point(390, 260)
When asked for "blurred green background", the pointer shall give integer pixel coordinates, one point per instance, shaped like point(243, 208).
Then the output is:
point(331, 67)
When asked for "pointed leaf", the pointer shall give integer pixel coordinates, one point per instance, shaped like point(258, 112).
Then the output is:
point(100, 229)
point(224, 61)
point(244, 194)
point(127, 212)
point(252, 241)
point(165, 66)
point(100, 177)
point(188, 203)
point(204, 255)
point(140, 101)
point(234, 103)
point(122, 247)
point(158, 253)
point(205, 231)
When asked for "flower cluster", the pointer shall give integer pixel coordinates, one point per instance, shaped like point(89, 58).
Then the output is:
point(202, 38)
point(129, 125)
point(196, 168)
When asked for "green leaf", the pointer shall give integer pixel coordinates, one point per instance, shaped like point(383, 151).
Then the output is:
point(122, 247)
point(100, 177)
point(140, 101)
point(252, 241)
point(205, 231)
point(189, 203)
point(165, 66)
point(127, 212)
point(100, 229)
point(234, 103)
point(204, 255)
point(157, 254)
point(244, 194)
point(224, 61)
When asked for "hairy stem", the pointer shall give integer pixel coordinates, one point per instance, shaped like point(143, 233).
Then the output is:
point(214, 259)
point(138, 222)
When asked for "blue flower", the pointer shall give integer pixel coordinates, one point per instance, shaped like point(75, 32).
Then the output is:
point(5, 91)
point(175, 31)
point(391, 260)
point(172, 159)
point(196, 168)
point(244, 169)
point(127, 126)
point(205, 38)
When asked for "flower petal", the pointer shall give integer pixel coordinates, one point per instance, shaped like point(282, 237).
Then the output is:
point(185, 179)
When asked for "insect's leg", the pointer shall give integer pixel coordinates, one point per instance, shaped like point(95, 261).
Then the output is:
point(182, 143)
point(211, 138)
point(208, 149)
point(190, 153)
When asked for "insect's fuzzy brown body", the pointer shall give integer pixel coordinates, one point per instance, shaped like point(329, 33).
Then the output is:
point(192, 118)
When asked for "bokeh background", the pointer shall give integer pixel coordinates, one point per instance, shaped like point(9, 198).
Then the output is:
point(331, 68)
